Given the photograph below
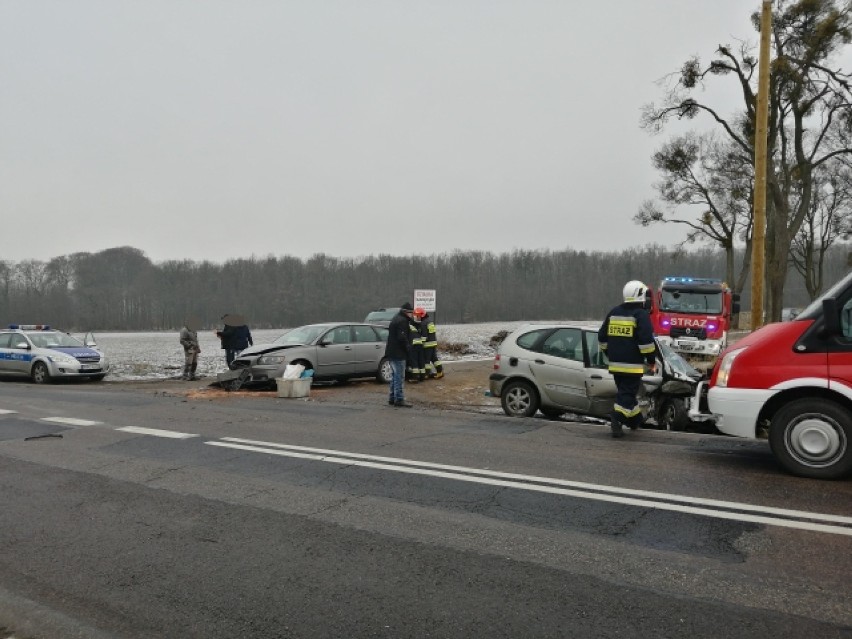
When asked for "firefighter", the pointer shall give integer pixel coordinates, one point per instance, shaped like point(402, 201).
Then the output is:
point(412, 372)
point(627, 337)
point(434, 368)
point(418, 364)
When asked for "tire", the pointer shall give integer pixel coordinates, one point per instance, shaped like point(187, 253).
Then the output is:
point(40, 373)
point(552, 413)
point(383, 376)
point(519, 399)
point(813, 438)
point(673, 415)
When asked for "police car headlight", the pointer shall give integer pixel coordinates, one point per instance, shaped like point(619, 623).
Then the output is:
point(271, 359)
point(67, 360)
point(726, 366)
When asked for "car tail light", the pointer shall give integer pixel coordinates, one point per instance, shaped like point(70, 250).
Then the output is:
point(497, 362)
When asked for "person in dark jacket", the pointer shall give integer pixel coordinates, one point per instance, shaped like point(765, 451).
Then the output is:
point(397, 351)
point(235, 337)
point(627, 337)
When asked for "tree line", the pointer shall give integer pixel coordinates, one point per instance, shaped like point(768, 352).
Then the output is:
point(121, 289)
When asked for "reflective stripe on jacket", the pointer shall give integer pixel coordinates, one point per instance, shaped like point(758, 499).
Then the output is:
point(627, 337)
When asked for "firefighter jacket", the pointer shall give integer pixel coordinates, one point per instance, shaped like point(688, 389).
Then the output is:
point(416, 335)
point(429, 332)
point(627, 338)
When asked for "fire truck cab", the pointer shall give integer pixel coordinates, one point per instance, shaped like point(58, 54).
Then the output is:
point(693, 314)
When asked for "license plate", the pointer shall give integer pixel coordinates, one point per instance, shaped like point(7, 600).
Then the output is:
point(89, 367)
point(687, 346)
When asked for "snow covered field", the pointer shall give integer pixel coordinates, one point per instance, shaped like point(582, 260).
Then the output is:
point(159, 355)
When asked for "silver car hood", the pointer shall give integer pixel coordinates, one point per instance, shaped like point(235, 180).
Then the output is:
point(260, 349)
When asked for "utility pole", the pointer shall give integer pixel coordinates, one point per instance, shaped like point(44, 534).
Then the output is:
point(761, 121)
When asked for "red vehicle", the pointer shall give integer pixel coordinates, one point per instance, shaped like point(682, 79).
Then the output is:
point(791, 382)
point(693, 314)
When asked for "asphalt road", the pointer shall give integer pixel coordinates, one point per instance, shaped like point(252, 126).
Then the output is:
point(129, 514)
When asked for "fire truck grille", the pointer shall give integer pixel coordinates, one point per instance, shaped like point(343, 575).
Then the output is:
point(698, 333)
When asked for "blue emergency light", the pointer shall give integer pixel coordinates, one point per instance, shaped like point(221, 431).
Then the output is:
point(691, 280)
point(29, 327)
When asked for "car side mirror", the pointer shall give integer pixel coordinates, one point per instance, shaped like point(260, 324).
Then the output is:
point(21, 345)
point(90, 340)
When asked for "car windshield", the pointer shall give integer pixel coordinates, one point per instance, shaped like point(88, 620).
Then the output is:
point(691, 301)
point(678, 363)
point(302, 335)
point(53, 339)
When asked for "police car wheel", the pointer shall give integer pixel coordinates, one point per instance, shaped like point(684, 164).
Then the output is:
point(40, 374)
point(519, 399)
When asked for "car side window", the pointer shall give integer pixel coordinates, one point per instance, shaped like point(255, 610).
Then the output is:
point(341, 335)
point(365, 334)
point(5, 338)
point(17, 341)
point(529, 340)
point(846, 319)
point(566, 343)
point(597, 357)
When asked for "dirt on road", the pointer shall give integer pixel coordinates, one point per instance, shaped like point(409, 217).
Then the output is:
point(463, 387)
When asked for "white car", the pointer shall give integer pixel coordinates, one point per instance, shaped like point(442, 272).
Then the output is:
point(43, 354)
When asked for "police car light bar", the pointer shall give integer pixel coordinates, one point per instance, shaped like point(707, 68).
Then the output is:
point(30, 327)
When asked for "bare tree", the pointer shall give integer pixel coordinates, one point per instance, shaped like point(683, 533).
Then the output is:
point(826, 221)
point(810, 120)
point(706, 186)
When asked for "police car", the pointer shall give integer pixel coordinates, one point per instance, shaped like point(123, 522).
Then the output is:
point(43, 354)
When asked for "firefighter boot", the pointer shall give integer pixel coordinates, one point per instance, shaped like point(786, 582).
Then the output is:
point(615, 427)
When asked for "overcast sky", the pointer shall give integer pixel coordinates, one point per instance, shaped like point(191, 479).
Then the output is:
point(215, 129)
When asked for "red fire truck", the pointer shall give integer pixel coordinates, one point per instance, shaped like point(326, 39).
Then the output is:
point(693, 314)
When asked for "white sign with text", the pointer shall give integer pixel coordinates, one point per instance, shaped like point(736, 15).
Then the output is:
point(425, 298)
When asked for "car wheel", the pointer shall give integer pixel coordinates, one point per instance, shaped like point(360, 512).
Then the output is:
point(673, 414)
point(519, 399)
point(385, 371)
point(813, 438)
point(552, 413)
point(40, 374)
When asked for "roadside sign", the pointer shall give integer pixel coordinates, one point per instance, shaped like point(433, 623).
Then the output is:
point(425, 298)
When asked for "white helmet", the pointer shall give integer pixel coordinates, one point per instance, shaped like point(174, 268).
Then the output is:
point(635, 291)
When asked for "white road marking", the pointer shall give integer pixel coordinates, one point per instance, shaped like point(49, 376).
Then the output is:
point(4, 411)
point(736, 511)
point(156, 432)
point(71, 421)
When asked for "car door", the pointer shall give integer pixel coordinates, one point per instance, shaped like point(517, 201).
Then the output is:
point(369, 350)
point(600, 386)
point(6, 363)
point(335, 353)
point(560, 370)
point(17, 355)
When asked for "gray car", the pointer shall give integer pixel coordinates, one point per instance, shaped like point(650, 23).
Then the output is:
point(560, 368)
point(555, 369)
point(334, 351)
point(382, 316)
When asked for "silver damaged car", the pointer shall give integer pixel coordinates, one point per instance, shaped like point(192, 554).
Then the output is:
point(334, 351)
